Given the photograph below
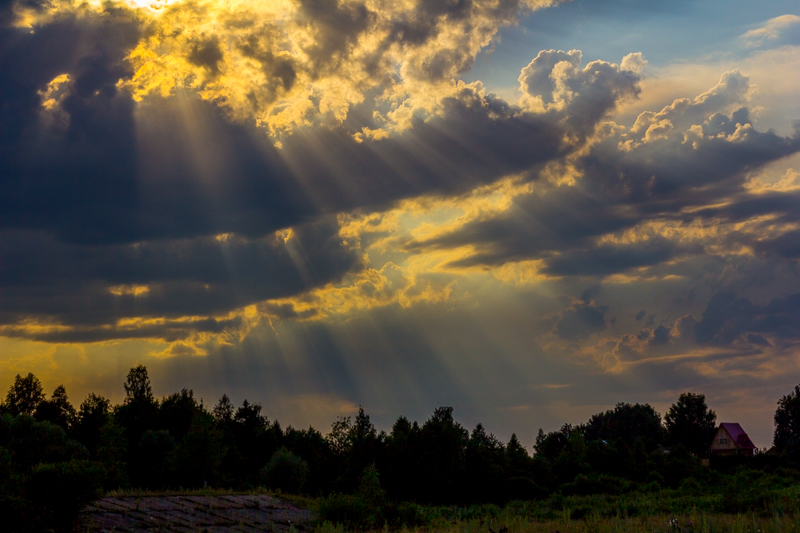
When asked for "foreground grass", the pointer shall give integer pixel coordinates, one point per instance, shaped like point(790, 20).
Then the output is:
point(687, 523)
point(670, 511)
point(736, 510)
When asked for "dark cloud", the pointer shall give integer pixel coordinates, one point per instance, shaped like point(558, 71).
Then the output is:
point(660, 336)
point(91, 287)
point(640, 315)
point(179, 169)
point(103, 194)
point(603, 260)
point(581, 96)
point(285, 311)
point(167, 330)
point(337, 26)
point(639, 176)
point(581, 320)
point(101, 191)
point(728, 318)
point(590, 293)
point(206, 53)
point(786, 244)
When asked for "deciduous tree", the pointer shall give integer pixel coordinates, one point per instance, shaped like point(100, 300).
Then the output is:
point(691, 423)
point(787, 422)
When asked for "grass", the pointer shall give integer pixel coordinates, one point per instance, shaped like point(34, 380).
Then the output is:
point(682, 523)
point(665, 511)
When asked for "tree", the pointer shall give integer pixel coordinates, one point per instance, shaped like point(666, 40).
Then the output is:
point(137, 415)
point(285, 471)
point(25, 395)
point(57, 410)
point(691, 423)
point(176, 412)
point(628, 423)
point(787, 422)
point(339, 437)
point(550, 445)
point(516, 457)
point(137, 386)
point(92, 415)
point(200, 452)
point(223, 411)
point(483, 463)
point(443, 443)
point(403, 452)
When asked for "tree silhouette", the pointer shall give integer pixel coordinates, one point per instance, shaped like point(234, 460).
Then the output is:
point(137, 415)
point(691, 423)
point(223, 411)
point(787, 422)
point(176, 413)
point(24, 395)
point(92, 416)
point(57, 410)
point(627, 422)
point(137, 385)
point(443, 443)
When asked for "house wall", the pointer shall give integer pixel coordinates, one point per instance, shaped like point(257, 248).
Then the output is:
point(723, 442)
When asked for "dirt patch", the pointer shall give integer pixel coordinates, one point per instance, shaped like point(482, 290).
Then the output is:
point(195, 514)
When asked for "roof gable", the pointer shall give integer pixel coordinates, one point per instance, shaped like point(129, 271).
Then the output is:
point(738, 435)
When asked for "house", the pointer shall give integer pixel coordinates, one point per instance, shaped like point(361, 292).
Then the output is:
point(730, 439)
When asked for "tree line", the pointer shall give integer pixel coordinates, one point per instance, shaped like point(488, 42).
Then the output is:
point(54, 457)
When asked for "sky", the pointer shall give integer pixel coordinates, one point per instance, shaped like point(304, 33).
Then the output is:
point(528, 210)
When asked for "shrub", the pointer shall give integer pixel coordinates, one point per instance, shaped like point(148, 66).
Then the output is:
point(285, 471)
point(346, 509)
point(61, 490)
point(524, 488)
point(595, 484)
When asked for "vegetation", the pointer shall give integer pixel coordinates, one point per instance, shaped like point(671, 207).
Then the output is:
point(622, 465)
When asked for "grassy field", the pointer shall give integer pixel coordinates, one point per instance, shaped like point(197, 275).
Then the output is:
point(680, 523)
point(736, 510)
point(668, 511)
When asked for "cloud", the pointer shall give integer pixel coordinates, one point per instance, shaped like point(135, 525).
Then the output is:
point(301, 62)
point(777, 31)
point(635, 194)
point(728, 318)
point(554, 82)
point(61, 292)
point(176, 168)
point(581, 320)
point(633, 62)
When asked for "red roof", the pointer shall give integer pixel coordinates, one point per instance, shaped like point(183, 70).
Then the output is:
point(738, 435)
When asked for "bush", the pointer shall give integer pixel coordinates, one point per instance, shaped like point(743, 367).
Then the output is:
point(346, 509)
point(61, 490)
point(595, 484)
point(524, 488)
point(285, 471)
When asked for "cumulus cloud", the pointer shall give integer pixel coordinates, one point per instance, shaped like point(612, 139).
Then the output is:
point(581, 320)
point(633, 62)
point(554, 82)
point(181, 162)
point(290, 64)
point(728, 318)
point(637, 191)
point(781, 30)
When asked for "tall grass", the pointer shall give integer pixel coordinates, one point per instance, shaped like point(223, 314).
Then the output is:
point(693, 522)
point(670, 511)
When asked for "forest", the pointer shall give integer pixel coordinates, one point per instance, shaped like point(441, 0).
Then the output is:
point(55, 458)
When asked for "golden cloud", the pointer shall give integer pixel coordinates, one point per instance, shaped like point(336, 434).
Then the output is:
point(290, 63)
